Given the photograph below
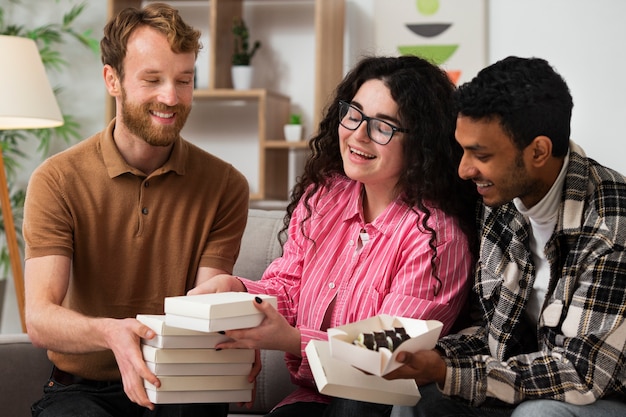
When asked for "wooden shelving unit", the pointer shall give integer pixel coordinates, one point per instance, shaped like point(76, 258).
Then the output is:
point(273, 108)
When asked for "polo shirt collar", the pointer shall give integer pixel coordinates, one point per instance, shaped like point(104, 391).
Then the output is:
point(116, 165)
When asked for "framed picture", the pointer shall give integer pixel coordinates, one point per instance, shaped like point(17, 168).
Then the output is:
point(449, 33)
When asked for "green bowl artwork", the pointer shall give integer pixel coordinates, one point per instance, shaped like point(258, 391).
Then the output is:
point(437, 54)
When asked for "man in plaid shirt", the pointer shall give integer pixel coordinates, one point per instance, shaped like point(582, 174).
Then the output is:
point(550, 287)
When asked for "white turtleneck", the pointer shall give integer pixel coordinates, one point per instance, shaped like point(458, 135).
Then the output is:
point(542, 217)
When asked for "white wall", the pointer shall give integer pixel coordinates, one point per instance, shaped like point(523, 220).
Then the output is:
point(582, 39)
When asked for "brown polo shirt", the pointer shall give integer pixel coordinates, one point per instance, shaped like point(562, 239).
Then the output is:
point(133, 239)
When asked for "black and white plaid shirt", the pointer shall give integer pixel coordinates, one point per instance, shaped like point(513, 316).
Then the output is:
point(577, 352)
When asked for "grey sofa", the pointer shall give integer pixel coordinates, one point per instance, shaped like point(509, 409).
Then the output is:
point(25, 369)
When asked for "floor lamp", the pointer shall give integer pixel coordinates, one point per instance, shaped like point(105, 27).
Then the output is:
point(26, 102)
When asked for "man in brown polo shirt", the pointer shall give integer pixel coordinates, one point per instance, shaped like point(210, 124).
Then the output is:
point(123, 219)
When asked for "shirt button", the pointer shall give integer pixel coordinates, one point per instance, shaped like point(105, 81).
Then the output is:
point(351, 243)
point(144, 210)
point(523, 283)
point(331, 285)
point(146, 184)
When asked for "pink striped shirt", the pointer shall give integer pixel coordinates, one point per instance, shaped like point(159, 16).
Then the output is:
point(390, 274)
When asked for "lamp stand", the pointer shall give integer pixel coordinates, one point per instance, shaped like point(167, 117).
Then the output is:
point(11, 236)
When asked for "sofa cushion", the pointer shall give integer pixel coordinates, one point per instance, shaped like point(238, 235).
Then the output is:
point(24, 369)
point(259, 245)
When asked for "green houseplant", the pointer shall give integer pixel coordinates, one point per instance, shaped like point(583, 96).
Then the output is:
point(295, 119)
point(242, 55)
point(293, 128)
point(49, 37)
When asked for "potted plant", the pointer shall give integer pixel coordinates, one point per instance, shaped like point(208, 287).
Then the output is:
point(293, 129)
point(48, 37)
point(242, 55)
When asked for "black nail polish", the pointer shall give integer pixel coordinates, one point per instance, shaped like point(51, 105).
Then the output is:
point(258, 300)
point(222, 332)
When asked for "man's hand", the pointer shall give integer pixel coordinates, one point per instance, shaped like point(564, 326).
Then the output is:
point(218, 283)
point(52, 326)
point(124, 338)
point(254, 372)
point(424, 367)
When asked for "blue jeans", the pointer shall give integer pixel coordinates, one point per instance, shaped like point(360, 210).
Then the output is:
point(109, 400)
point(337, 408)
point(434, 404)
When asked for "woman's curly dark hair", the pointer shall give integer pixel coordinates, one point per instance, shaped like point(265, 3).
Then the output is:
point(423, 93)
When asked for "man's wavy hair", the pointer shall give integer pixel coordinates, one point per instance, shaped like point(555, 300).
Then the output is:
point(159, 16)
point(423, 93)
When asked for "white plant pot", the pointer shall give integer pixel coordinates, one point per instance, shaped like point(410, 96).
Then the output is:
point(293, 133)
point(242, 77)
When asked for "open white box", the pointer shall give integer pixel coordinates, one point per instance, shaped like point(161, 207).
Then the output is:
point(424, 335)
point(338, 379)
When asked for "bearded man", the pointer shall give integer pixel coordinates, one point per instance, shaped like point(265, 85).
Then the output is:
point(123, 219)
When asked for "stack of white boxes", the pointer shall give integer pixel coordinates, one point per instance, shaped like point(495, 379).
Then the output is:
point(183, 355)
point(189, 367)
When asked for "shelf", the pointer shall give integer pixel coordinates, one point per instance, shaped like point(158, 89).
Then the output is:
point(230, 94)
point(283, 144)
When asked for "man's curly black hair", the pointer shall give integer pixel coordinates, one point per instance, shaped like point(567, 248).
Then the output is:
point(528, 98)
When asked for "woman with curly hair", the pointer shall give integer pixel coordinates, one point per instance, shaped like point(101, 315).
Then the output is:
point(379, 223)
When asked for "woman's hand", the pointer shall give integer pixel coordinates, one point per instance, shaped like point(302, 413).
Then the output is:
point(274, 333)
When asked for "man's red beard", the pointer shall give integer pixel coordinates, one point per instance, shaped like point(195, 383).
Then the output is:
point(138, 120)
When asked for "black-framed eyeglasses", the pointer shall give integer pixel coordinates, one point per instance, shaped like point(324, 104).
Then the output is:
point(378, 130)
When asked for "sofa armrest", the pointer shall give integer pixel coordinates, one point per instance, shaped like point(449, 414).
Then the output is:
point(24, 369)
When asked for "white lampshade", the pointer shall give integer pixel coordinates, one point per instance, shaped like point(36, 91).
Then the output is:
point(26, 98)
